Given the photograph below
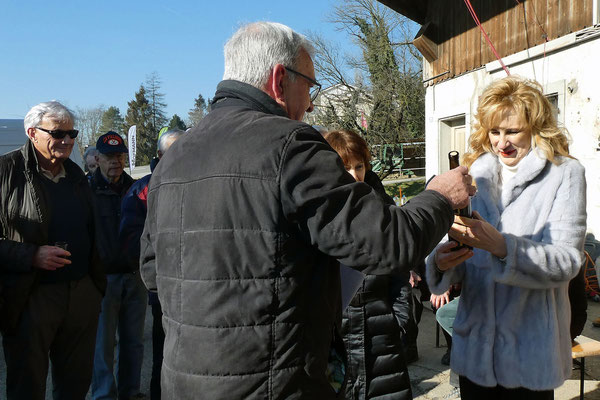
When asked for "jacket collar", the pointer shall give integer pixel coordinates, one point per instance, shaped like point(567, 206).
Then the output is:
point(30, 157)
point(251, 96)
point(486, 171)
point(99, 183)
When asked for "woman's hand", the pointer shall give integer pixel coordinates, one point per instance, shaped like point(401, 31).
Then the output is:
point(477, 232)
point(438, 300)
point(445, 258)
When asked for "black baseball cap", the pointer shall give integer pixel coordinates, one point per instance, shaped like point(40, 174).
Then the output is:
point(111, 142)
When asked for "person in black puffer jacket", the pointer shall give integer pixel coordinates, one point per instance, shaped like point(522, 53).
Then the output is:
point(372, 323)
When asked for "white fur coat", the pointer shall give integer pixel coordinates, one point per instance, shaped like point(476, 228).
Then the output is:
point(512, 323)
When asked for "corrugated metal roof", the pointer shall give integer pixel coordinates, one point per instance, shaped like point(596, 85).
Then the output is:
point(12, 135)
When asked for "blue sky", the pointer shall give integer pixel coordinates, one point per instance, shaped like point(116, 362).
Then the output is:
point(90, 53)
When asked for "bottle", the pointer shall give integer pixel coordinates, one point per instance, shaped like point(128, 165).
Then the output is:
point(463, 212)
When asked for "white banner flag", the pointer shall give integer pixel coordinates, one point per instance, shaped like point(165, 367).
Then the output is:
point(131, 145)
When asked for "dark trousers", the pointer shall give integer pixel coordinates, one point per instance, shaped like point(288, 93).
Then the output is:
point(59, 321)
point(158, 342)
point(472, 391)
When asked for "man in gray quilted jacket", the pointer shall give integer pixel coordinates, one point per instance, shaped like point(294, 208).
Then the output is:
point(248, 216)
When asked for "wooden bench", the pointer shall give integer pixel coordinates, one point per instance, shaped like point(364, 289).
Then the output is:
point(583, 347)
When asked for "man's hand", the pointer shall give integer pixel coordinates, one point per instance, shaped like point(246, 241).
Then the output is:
point(414, 279)
point(455, 185)
point(50, 258)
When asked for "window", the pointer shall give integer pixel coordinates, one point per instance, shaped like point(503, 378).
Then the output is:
point(555, 92)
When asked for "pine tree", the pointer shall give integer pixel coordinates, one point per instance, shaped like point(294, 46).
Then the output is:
point(199, 111)
point(158, 118)
point(139, 114)
point(112, 120)
point(177, 123)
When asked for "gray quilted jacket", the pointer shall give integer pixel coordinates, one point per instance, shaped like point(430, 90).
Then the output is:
point(247, 215)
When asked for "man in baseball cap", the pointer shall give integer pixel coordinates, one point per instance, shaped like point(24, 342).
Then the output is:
point(111, 159)
point(124, 304)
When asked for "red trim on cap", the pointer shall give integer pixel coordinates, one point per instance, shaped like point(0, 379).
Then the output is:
point(116, 137)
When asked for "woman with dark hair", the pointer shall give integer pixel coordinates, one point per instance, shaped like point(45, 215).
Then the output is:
point(511, 333)
point(372, 322)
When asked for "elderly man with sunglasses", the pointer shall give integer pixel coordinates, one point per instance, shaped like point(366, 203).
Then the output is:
point(51, 280)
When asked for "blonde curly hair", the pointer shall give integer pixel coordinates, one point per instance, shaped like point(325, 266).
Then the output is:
point(526, 99)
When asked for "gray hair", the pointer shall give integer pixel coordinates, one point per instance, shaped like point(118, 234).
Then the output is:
point(90, 151)
point(162, 141)
point(253, 51)
point(50, 109)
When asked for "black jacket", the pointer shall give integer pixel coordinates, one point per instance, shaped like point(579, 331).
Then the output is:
point(247, 215)
point(578, 301)
point(372, 326)
point(107, 212)
point(24, 218)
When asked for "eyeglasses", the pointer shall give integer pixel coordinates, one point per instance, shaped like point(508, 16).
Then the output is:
point(60, 134)
point(314, 90)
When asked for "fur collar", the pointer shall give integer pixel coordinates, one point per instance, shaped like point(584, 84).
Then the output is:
point(486, 172)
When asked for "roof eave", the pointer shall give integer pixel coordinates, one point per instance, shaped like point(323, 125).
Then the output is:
point(415, 10)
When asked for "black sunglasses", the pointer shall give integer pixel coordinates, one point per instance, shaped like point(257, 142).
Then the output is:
point(314, 91)
point(60, 134)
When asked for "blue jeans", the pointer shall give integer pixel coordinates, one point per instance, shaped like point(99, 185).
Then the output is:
point(123, 312)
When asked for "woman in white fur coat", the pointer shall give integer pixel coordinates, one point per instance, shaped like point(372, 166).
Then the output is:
point(511, 333)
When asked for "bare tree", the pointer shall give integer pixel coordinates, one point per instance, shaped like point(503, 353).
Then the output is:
point(384, 99)
point(88, 122)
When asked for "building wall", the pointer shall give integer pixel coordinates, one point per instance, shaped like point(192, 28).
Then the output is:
point(571, 71)
point(512, 27)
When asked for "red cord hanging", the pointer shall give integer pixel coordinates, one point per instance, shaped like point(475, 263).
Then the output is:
point(485, 35)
